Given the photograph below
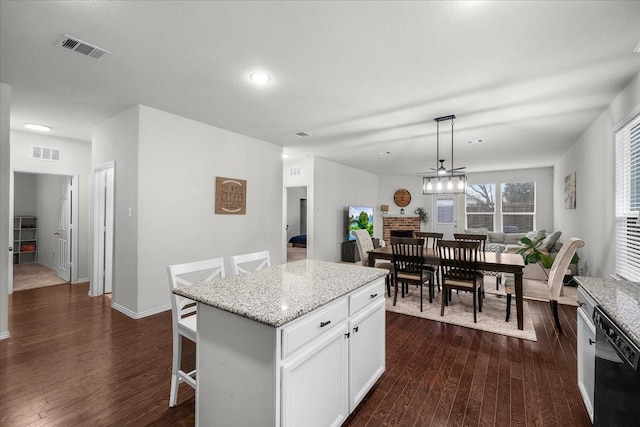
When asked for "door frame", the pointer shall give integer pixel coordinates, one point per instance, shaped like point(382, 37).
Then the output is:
point(285, 205)
point(96, 249)
point(74, 218)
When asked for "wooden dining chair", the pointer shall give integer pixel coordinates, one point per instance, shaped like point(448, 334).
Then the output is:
point(552, 289)
point(458, 261)
point(254, 261)
point(364, 243)
point(409, 267)
point(482, 239)
point(184, 314)
point(431, 240)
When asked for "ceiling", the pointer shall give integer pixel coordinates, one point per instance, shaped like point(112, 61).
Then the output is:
point(361, 77)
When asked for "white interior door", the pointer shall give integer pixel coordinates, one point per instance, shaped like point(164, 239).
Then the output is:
point(446, 214)
point(102, 229)
point(64, 229)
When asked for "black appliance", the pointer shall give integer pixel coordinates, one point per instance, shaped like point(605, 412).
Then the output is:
point(617, 378)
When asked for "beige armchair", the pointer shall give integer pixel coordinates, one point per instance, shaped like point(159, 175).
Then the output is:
point(364, 245)
point(552, 289)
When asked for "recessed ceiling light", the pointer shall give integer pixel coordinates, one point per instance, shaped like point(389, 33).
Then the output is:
point(476, 141)
point(259, 77)
point(41, 128)
point(384, 153)
point(302, 134)
point(285, 156)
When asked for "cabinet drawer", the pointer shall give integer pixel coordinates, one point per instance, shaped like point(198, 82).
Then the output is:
point(307, 329)
point(365, 296)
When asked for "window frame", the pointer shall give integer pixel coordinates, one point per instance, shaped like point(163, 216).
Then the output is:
point(627, 198)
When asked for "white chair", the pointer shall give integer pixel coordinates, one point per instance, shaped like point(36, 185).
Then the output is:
point(183, 312)
point(257, 261)
point(364, 243)
point(553, 288)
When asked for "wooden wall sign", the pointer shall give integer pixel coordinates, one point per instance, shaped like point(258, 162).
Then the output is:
point(231, 196)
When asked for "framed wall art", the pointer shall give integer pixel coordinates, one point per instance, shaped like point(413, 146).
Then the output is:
point(570, 191)
point(231, 196)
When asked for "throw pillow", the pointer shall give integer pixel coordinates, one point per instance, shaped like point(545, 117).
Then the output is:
point(551, 240)
point(496, 237)
point(535, 235)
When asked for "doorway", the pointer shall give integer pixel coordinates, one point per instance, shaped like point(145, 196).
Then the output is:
point(102, 223)
point(44, 208)
point(296, 223)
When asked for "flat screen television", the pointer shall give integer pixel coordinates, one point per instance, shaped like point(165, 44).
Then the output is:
point(359, 217)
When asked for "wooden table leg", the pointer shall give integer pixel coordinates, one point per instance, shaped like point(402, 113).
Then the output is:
point(519, 307)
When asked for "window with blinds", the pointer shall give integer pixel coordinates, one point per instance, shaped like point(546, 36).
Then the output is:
point(481, 206)
point(518, 206)
point(628, 200)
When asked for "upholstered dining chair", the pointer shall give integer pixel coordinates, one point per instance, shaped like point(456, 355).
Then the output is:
point(250, 262)
point(431, 240)
point(553, 288)
point(364, 243)
point(184, 315)
point(409, 267)
point(459, 270)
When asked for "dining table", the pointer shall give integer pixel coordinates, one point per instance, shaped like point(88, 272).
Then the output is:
point(487, 260)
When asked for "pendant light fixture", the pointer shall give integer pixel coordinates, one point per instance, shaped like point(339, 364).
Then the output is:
point(452, 181)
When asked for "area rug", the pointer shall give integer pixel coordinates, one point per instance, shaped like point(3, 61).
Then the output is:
point(34, 275)
point(460, 312)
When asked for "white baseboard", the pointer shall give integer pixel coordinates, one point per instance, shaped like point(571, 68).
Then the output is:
point(140, 315)
point(83, 280)
point(4, 335)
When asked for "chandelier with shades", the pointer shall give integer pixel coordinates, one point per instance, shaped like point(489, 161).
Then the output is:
point(443, 180)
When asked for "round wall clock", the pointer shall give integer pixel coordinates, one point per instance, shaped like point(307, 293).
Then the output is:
point(402, 198)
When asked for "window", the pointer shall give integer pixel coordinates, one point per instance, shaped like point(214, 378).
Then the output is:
point(480, 206)
point(444, 208)
point(518, 206)
point(627, 140)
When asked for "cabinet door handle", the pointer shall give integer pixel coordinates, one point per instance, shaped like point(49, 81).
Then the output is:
point(591, 342)
point(323, 324)
point(356, 329)
point(347, 335)
point(373, 296)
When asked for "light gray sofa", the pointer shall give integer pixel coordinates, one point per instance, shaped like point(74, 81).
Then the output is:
point(510, 243)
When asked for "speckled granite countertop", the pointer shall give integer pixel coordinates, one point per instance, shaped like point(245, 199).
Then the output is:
point(619, 299)
point(280, 294)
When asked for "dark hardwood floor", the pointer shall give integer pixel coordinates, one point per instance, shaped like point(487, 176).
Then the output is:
point(72, 360)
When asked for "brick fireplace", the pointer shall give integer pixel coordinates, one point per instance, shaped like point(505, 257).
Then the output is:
point(398, 222)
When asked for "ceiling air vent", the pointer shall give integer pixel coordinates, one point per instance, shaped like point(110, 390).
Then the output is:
point(83, 48)
point(302, 134)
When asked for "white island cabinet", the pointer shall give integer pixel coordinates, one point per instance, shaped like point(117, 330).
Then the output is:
point(294, 345)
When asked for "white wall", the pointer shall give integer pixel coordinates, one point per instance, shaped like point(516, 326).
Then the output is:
point(6, 223)
point(166, 167)
point(75, 159)
point(117, 140)
point(24, 194)
point(336, 187)
point(592, 157)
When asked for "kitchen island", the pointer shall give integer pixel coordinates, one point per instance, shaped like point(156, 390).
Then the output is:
point(295, 344)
